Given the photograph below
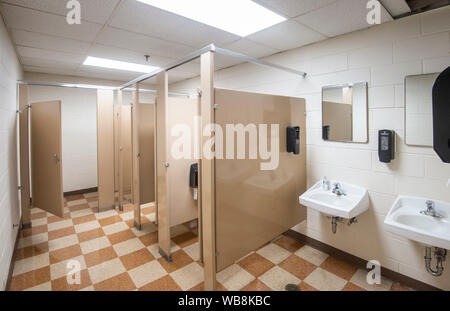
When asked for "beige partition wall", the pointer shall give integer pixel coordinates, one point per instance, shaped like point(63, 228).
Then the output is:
point(105, 148)
point(207, 175)
point(162, 199)
point(24, 156)
point(252, 205)
point(147, 151)
point(135, 158)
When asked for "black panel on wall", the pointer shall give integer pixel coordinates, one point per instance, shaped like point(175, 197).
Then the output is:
point(441, 115)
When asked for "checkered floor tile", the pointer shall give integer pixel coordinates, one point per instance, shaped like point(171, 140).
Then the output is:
point(113, 255)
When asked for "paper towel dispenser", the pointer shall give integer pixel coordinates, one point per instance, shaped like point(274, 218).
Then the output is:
point(293, 139)
point(193, 176)
point(441, 115)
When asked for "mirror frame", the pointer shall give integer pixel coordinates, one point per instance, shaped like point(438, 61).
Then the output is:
point(404, 111)
point(335, 86)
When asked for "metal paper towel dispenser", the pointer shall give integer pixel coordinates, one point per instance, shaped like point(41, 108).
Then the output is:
point(441, 115)
point(293, 139)
point(193, 176)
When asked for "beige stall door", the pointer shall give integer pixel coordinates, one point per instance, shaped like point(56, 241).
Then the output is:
point(254, 206)
point(46, 166)
point(147, 150)
point(182, 206)
point(105, 148)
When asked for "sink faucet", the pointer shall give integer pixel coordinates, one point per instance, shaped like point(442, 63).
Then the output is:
point(431, 211)
point(325, 184)
point(337, 189)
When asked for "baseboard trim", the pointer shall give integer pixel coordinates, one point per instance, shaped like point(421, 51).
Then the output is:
point(81, 191)
point(13, 258)
point(344, 256)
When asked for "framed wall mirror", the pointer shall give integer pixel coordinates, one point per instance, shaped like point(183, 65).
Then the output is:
point(419, 109)
point(345, 113)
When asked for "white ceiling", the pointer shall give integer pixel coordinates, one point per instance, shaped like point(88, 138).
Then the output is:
point(127, 30)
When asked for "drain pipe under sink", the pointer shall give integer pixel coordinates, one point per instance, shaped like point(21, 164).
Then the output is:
point(440, 255)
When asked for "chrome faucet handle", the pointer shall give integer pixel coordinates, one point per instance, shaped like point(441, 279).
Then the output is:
point(430, 204)
point(325, 183)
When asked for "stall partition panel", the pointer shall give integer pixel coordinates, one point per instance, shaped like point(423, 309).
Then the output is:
point(147, 149)
point(24, 155)
point(254, 206)
point(105, 148)
point(136, 158)
point(182, 114)
point(46, 150)
point(126, 145)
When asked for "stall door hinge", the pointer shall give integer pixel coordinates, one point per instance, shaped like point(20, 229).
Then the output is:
point(28, 106)
point(216, 106)
point(199, 92)
point(217, 253)
point(19, 111)
point(20, 188)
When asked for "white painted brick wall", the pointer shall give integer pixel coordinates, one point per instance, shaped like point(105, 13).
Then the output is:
point(382, 56)
point(10, 72)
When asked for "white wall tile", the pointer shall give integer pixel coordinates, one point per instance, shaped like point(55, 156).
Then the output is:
point(372, 56)
point(396, 73)
point(400, 95)
point(9, 201)
point(422, 47)
point(404, 164)
point(432, 65)
point(388, 118)
point(436, 21)
point(382, 97)
point(329, 64)
point(436, 169)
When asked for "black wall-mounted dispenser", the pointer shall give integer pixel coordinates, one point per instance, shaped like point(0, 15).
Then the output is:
point(326, 132)
point(193, 179)
point(193, 176)
point(293, 139)
point(386, 145)
point(441, 116)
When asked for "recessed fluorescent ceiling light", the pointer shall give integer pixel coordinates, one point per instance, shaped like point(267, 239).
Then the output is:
point(115, 64)
point(241, 17)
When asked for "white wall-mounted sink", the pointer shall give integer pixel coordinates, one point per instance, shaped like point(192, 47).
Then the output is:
point(352, 204)
point(405, 219)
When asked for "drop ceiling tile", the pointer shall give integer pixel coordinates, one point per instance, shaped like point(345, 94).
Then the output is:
point(37, 40)
point(97, 11)
point(152, 46)
point(48, 70)
point(104, 73)
point(286, 36)
point(250, 48)
point(44, 63)
point(25, 51)
point(396, 7)
point(141, 18)
point(341, 17)
point(46, 23)
point(293, 8)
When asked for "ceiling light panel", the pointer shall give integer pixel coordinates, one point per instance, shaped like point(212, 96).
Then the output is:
point(115, 64)
point(240, 17)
